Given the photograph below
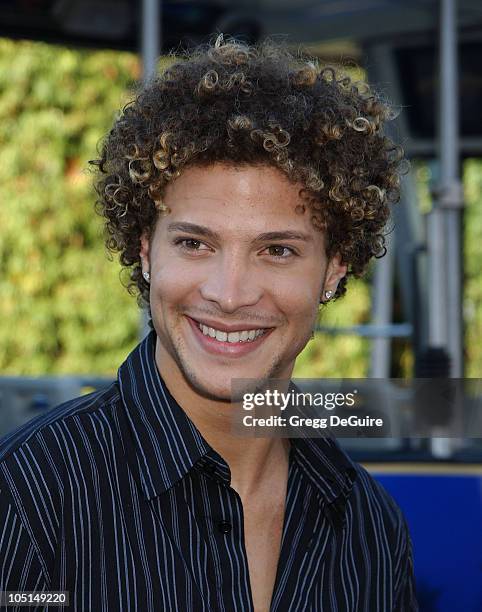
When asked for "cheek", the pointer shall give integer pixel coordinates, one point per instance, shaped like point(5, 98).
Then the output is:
point(298, 297)
point(173, 281)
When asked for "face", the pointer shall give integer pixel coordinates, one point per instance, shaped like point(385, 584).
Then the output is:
point(236, 277)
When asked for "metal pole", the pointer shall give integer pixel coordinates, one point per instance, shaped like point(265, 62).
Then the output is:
point(451, 200)
point(437, 276)
point(382, 304)
point(446, 214)
point(150, 36)
point(151, 46)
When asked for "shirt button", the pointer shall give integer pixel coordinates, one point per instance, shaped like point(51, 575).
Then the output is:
point(224, 526)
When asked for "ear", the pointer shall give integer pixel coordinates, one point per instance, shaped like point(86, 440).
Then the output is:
point(335, 271)
point(144, 252)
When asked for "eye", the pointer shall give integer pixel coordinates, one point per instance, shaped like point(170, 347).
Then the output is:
point(190, 244)
point(280, 251)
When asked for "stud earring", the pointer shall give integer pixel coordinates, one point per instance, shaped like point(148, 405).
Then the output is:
point(147, 276)
point(328, 294)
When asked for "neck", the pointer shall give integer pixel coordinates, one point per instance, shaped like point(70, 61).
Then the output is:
point(252, 461)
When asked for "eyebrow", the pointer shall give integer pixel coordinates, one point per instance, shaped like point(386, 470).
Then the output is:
point(201, 230)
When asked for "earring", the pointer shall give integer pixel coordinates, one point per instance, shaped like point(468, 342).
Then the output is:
point(147, 276)
point(328, 294)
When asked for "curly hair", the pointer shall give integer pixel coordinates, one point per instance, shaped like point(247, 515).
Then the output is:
point(235, 103)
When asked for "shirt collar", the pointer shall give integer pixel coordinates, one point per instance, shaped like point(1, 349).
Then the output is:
point(163, 444)
point(330, 470)
point(326, 465)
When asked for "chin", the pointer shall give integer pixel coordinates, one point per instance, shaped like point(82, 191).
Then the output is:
point(220, 393)
point(219, 388)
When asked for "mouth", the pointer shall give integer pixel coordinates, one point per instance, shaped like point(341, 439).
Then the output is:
point(221, 341)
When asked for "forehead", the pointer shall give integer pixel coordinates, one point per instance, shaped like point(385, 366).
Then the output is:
point(242, 198)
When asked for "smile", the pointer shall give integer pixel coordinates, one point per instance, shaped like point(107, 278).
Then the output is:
point(247, 335)
point(228, 343)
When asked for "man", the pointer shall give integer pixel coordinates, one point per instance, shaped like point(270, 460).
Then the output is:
point(242, 187)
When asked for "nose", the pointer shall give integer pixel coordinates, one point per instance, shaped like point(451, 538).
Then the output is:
point(231, 283)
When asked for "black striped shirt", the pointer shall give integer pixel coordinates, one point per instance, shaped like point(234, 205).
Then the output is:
point(118, 499)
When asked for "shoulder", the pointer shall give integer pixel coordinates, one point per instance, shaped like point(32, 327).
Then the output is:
point(369, 492)
point(35, 455)
point(62, 416)
point(40, 460)
point(378, 529)
point(36, 465)
point(384, 524)
point(377, 516)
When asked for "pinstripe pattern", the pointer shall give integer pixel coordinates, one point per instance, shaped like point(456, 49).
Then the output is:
point(117, 498)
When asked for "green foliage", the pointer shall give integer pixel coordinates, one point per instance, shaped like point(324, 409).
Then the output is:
point(62, 306)
point(473, 276)
point(344, 356)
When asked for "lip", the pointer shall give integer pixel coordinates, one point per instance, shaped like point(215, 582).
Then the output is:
point(234, 349)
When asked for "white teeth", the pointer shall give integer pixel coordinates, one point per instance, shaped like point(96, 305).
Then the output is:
point(221, 336)
point(243, 336)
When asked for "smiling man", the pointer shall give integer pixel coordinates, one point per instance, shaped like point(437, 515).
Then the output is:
point(236, 277)
point(242, 188)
